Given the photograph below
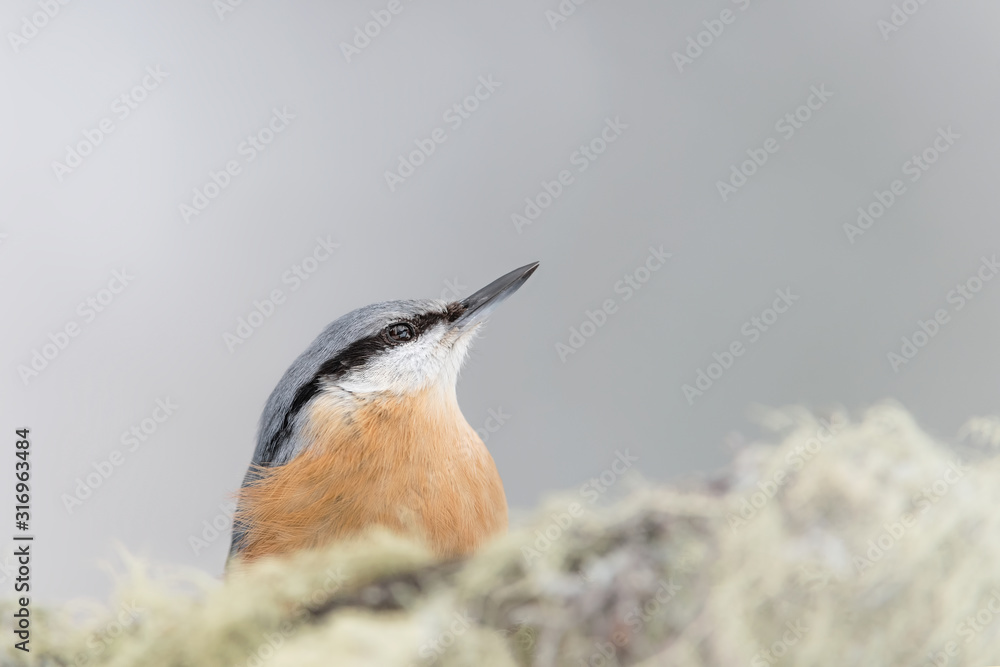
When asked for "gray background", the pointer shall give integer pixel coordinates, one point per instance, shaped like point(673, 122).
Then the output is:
point(324, 176)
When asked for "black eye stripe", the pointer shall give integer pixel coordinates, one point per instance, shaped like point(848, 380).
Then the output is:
point(353, 356)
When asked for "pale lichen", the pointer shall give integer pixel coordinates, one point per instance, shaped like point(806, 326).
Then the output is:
point(864, 543)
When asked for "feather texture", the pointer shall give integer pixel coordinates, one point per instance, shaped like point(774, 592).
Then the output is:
point(410, 463)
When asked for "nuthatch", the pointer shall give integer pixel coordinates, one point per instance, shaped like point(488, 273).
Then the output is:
point(364, 430)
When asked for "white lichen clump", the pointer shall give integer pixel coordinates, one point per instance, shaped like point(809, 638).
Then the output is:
point(864, 543)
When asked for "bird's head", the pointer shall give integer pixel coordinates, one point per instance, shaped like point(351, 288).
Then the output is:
point(389, 348)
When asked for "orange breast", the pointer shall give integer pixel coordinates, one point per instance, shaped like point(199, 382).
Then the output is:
point(411, 464)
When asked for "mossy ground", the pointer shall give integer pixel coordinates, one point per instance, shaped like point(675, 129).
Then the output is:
point(849, 543)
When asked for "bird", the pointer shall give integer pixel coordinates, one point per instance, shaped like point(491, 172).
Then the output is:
point(364, 430)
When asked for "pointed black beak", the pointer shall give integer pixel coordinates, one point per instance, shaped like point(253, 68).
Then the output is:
point(479, 306)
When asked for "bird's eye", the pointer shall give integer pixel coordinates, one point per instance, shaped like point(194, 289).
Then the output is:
point(400, 332)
